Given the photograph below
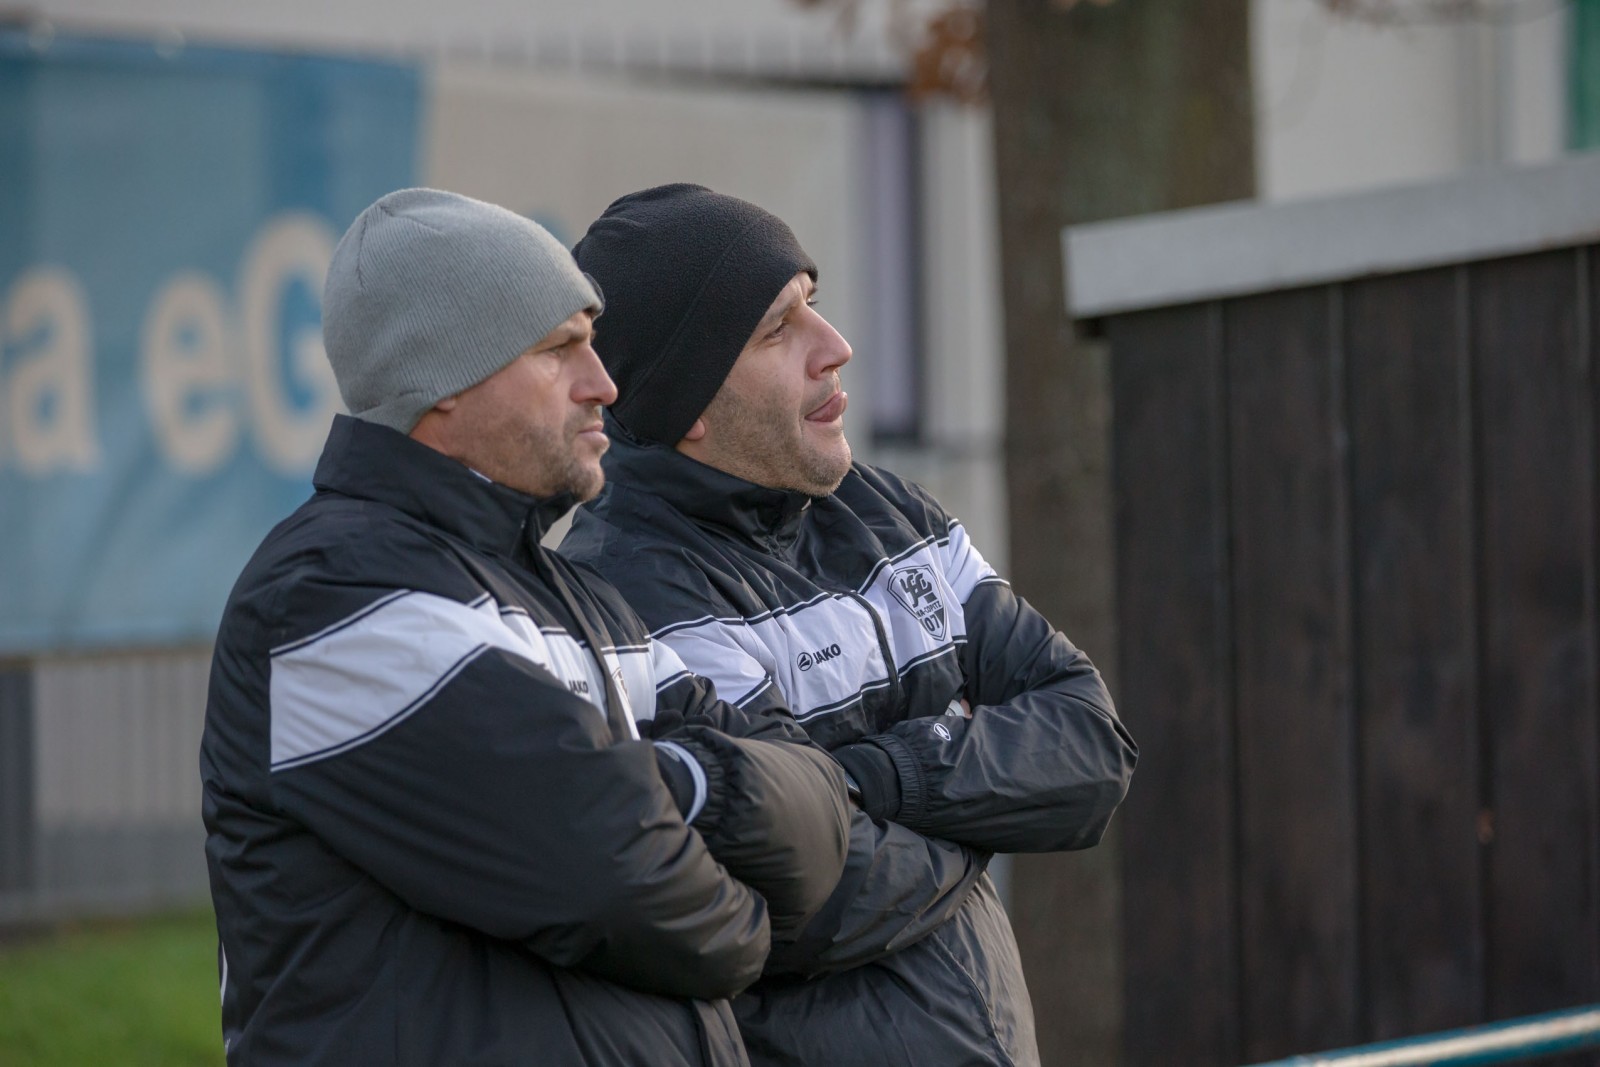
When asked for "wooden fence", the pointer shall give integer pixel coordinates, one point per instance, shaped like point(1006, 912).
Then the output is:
point(1356, 474)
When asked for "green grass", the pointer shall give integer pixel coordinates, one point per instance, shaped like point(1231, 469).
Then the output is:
point(117, 994)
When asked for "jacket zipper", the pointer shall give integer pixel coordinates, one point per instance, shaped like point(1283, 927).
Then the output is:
point(884, 650)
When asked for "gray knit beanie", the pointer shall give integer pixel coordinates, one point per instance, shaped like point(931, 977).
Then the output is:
point(429, 293)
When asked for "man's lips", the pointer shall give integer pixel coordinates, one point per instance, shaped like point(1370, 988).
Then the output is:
point(831, 408)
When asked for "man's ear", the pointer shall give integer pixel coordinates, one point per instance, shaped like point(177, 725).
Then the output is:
point(696, 431)
point(431, 429)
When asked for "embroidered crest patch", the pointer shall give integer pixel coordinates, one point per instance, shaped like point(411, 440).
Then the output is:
point(914, 588)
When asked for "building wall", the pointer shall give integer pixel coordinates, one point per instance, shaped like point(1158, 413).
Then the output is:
point(1347, 104)
point(762, 37)
point(959, 453)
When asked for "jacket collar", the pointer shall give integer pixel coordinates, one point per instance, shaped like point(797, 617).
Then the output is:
point(769, 517)
point(371, 462)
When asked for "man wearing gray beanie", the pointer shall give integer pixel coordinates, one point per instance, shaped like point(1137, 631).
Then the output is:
point(807, 584)
point(461, 808)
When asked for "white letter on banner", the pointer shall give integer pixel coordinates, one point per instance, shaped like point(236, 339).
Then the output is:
point(294, 245)
point(51, 394)
point(185, 354)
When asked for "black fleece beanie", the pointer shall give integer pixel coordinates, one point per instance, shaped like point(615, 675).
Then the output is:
point(687, 274)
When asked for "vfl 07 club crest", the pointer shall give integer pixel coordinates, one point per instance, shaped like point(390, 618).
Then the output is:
point(914, 588)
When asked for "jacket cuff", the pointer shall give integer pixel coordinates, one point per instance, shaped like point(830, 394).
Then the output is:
point(908, 775)
point(875, 777)
point(686, 778)
point(705, 759)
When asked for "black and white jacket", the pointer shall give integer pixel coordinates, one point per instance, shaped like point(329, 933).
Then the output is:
point(870, 615)
point(435, 834)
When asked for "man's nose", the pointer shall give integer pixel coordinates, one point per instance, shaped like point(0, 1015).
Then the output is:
point(594, 385)
point(832, 350)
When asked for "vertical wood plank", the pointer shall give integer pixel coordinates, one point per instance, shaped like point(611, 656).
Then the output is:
point(1589, 350)
point(1537, 456)
point(1168, 474)
point(1415, 648)
point(1298, 858)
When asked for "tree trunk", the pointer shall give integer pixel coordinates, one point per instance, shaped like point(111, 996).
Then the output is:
point(1099, 112)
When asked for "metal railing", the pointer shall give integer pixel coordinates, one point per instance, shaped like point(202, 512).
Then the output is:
point(1512, 1041)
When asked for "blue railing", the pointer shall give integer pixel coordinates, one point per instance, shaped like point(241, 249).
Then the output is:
point(1512, 1041)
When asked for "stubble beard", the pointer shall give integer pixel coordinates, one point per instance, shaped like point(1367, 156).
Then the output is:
point(542, 461)
point(581, 477)
point(768, 449)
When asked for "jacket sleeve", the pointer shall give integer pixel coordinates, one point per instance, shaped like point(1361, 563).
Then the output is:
point(1042, 762)
point(774, 810)
point(415, 742)
point(897, 885)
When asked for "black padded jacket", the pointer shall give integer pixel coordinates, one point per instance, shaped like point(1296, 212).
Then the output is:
point(439, 832)
point(870, 614)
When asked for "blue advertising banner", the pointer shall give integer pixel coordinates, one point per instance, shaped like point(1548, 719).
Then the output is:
point(166, 220)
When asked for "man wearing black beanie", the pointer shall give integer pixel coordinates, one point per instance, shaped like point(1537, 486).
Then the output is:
point(802, 583)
